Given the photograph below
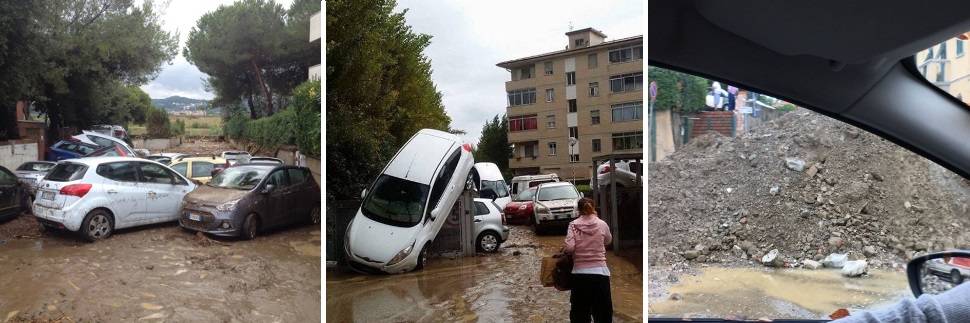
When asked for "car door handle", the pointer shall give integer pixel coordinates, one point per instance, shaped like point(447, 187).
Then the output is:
point(478, 220)
point(152, 193)
point(112, 192)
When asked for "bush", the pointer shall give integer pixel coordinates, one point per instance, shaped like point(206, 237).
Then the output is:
point(297, 124)
point(157, 124)
point(306, 101)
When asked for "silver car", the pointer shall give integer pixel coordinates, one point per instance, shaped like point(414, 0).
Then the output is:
point(490, 228)
point(30, 174)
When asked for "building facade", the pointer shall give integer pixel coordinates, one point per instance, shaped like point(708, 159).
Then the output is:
point(947, 66)
point(566, 107)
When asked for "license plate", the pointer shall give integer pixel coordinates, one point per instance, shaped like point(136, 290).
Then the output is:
point(47, 195)
point(195, 217)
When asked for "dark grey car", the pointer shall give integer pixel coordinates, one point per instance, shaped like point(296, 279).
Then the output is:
point(12, 195)
point(246, 199)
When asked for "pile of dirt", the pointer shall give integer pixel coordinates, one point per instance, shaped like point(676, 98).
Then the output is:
point(808, 186)
point(21, 226)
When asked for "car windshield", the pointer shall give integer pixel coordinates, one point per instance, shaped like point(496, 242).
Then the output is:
point(240, 178)
point(946, 66)
point(561, 192)
point(36, 167)
point(395, 201)
point(497, 186)
point(526, 195)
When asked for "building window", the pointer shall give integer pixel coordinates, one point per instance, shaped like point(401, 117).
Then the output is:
point(943, 50)
point(594, 89)
point(628, 140)
point(959, 47)
point(526, 72)
point(629, 111)
point(626, 82)
point(551, 121)
point(530, 150)
point(574, 132)
point(626, 54)
point(552, 149)
point(941, 74)
point(579, 42)
point(522, 97)
point(594, 116)
point(591, 62)
point(550, 94)
point(570, 78)
point(572, 105)
point(573, 158)
point(548, 68)
point(597, 146)
point(522, 123)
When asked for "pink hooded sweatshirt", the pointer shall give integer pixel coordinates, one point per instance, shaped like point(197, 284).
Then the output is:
point(586, 238)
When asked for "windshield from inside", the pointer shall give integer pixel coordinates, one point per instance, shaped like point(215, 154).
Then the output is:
point(497, 186)
point(947, 66)
point(395, 201)
point(240, 178)
point(562, 192)
point(36, 167)
point(526, 195)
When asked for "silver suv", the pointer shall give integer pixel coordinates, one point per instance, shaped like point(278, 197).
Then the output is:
point(555, 203)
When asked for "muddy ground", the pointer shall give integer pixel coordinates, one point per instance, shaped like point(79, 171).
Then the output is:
point(158, 273)
point(488, 288)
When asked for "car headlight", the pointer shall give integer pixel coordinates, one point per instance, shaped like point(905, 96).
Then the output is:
point(541, 208)
point(401, 255)
point(228, 206)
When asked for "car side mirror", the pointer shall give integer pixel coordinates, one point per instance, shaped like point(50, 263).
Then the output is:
point(363, 193)
point(269, 188)
point(938, 272)
point(434, 213)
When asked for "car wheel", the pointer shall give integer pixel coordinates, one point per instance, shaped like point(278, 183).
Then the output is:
point(315, 214)
point(250, 227)
point(488, 241)
point(422, 257)
point(97, 225)
point(955, 277)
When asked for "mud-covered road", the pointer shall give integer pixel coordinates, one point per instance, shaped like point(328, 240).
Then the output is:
point(486, 288)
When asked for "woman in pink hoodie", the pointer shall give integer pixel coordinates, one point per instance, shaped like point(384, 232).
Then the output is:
point(586, 239)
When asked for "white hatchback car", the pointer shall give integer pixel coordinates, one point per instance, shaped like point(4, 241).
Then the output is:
point(95, 196)
point(408, 203)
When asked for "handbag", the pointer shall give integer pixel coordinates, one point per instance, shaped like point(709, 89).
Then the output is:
point(563, 273)
point(547, 273)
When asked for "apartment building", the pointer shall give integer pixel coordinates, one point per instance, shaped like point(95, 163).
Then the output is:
point(947, 66)
point(567, 106)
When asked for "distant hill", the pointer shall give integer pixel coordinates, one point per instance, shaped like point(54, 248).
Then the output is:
point(178, 103)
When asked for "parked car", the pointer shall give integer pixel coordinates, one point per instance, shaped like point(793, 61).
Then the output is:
point(101, 140)
point(31, 173)
point(625, 173)
point(114, 131)
point(407, 204)
point(490, 228)
point(234, 156)
point(96, 196)
point(164, 158)
point(555, 203)
point(199, 168)
point(11, 195)
point(113, 150)
point(519, 210)
point(261, 159)
point(491, 184)
point(67, 149)
point(953, 269)
point(244, 200)
point(524, 182)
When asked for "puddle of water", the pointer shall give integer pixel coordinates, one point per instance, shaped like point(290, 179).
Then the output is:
point(777, 293)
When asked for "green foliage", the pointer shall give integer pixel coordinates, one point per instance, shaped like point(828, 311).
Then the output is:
point(306, 102)
point(787, 107)
point(682, 93)
point(235, 126)
point(379, 91)
point(157, 124)
point(254, 50)
point(493, 146)
point(298, 124)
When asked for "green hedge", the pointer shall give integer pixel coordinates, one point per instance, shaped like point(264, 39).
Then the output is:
point(298, 123)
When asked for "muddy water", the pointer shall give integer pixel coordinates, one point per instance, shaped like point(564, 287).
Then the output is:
point(162, 273)
point(488, 288)
point(769, 293)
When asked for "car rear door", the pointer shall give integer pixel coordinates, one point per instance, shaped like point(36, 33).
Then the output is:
point(9, 192)
point(164, 194)
point(299, 194)
point(276, 201)
point(126, 194)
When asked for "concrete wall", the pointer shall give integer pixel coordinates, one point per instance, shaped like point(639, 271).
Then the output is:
point(156, 144)
point(14, 153)
point(665, 134)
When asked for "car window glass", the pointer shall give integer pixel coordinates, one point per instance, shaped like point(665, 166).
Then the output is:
point(480, 208)
point(118, 171)
point(277, 178)
point(104, 142)
point(66, 172)
point(525, 195)
point(36, 167)
point(201, 169)
point(83, 149)
point(497, 186)
point(7, 178)
point(395, 201)
point(441, 181)
point(152, 173)
point(297, 176)
point(180, 168)
point(945, 66)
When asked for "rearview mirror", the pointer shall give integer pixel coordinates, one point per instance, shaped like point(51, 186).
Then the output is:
point(363, 193)
point(268, 188)
point(938, 272)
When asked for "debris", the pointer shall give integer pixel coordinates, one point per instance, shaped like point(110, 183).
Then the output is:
point(835, 260)
point(811, 264)
point(854, 268)
point(795, 164)
point(772, 259)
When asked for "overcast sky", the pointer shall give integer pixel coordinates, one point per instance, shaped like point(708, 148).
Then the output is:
point(470, 37)
point(181, 78)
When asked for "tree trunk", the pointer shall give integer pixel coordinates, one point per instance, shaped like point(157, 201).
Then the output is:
point(252, 106)
point(8, 122)
point(262, 85)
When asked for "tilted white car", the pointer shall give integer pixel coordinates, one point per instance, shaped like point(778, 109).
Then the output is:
point(408, 203)
point(555, 203)
point(96, 196)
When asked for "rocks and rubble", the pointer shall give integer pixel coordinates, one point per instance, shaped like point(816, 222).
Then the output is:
point(808, 186)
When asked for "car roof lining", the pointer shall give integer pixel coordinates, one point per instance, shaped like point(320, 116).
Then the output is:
point(680, 38)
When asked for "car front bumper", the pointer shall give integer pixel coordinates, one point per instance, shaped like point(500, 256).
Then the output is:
point(210, 220)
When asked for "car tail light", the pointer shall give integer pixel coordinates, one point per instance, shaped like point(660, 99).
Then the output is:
point(503, 218)
point(606, 169)
point(467, 147)
point(78, 190)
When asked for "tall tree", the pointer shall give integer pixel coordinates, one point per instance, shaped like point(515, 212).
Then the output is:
point(379, 90)
point(680, 92)
point(493, 146)
point(22, 52)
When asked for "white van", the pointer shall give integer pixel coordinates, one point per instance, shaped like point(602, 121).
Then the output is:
point(525, 182)
point(487, 176)
point(406, 206)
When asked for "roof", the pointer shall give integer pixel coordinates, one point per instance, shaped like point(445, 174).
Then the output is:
point(588, 29)
point(91, 161)
point(510, 63)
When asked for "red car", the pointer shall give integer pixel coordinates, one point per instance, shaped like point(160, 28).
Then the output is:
point(519, 210)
